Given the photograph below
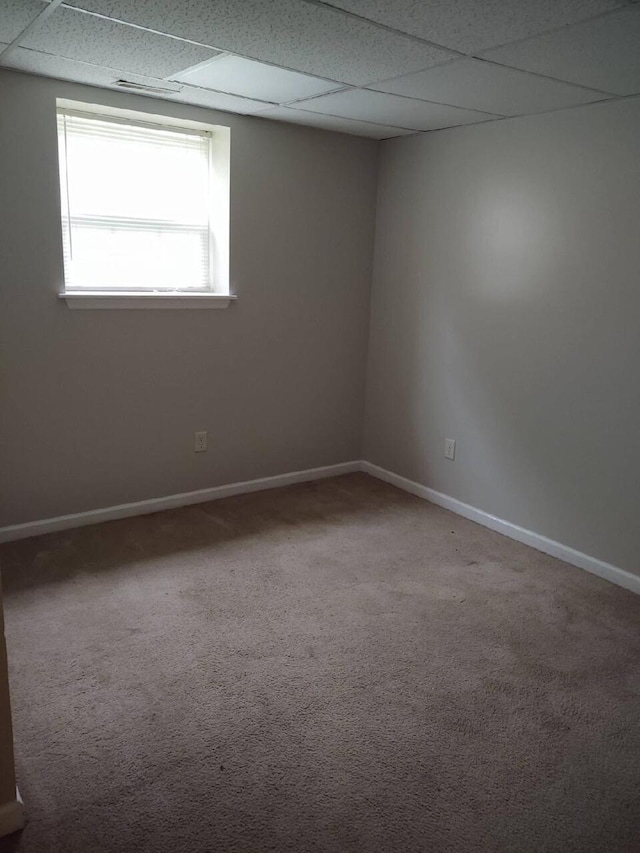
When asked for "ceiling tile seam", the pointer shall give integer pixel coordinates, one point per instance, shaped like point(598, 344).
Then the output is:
point(436, 45)
point(109, 68)
point(112, 20)
point(459, 126)
point(199, 65)
point(497, 118)
point(347, 118)
point(48, 10)
point(115, 71)
point(340, 87)
point(345, 88)
point(544, 76)
point(190, 86)
point(411, 98)
point(489, 62)
point(412, 73)
point(439, 103)
point(489, 120)
point(606, 100)
point(138, 27)
point(609, 100)
point(321, 4)
point(600, 15)
point(336, 85)
point(341, 83)
point(531, 115)
point(223, 52)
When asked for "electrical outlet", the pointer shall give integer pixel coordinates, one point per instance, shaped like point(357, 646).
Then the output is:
point(449, 448)
point(200, 443)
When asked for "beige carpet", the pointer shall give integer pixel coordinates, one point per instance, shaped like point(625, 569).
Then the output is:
point(335, 666)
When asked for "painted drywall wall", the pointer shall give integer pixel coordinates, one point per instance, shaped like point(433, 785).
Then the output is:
point(505, 311)
point(100, 407)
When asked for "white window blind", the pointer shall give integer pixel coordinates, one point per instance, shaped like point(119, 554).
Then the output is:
point(136, 205)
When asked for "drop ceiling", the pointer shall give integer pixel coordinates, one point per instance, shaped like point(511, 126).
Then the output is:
point(374, 68)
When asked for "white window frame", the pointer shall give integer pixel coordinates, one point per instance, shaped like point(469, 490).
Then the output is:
point(219, 295)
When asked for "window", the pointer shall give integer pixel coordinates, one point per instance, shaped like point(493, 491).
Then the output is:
point(141, 209)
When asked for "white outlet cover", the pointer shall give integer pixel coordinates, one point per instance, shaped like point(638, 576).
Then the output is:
point(200, 442)
point(450, 448)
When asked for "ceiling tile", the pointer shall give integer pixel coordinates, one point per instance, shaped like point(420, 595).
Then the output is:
point(603, 54)
point(74, 35)
point(471, 25)
point(35, 62)
point(342, 125)
point(289, 33)
point(15, 15)
point(391, 110)
point(483, 86)
point(255, 80)
point(220, 101)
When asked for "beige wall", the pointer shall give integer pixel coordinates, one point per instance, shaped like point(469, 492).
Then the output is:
point(505, 315)
point(100, 407)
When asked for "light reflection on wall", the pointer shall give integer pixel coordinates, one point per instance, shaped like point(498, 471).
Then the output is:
point(513, 236)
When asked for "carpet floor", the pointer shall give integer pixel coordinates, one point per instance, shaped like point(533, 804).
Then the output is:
point(334, 666)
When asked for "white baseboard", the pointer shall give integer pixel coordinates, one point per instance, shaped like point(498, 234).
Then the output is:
point(95, 516)
point(548, 546)
point(528, 537)
point(12, 816)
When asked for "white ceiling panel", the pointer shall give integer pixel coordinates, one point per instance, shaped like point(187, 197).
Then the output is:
point(483, 86)
point(472, 25)
point(603, 54)
point(255, 80)
point(326, 122)
point(391, 110)
point(15, 15)
point(290, 33)
point(220, 101)
point(74, 35)
point(35, 62)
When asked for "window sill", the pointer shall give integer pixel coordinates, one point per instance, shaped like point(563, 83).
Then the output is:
point(97, 299)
